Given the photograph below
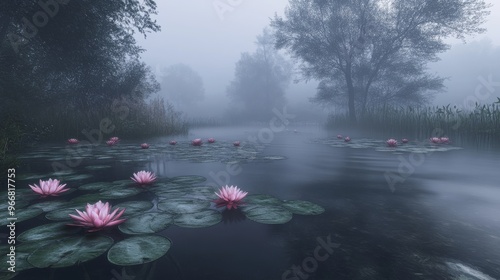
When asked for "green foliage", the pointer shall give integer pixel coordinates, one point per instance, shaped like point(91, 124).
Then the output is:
point(421, 122)
point(66, 75)
point(124, 117)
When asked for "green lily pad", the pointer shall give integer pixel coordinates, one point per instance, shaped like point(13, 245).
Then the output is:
point(267, 214)
point(188, 180)
point(200, 219)
point(78, 177)
point(95, 186)
point(302, 207)
point(134, 207)
point(123, 183)
point(63, 214)
point(87, 198)
point(182, 205)
point(47, 232)
point(48, 206)
point(63, 173)
point(97, 167)
point(70, 251)
point(26, 195)
point(19, 204)
point(21, 254)
point(202, 192)
point(119, 192)
point(138, 250)
point(21, 215)
point(30, 176)
point(23, 251)
point(169, 194)
point(146, 223)
point(262, 199)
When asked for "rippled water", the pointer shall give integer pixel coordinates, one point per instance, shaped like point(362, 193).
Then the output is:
point(437, 217)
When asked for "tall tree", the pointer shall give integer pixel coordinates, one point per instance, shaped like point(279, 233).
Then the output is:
point(182, 85)
point(61, 56)
point(64, 52)
point(370, 51)
point(260, 79)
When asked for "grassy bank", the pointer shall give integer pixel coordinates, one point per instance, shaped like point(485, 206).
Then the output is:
point(422, 122)
point(124, 118)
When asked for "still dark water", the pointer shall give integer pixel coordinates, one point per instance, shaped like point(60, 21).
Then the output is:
point(439, 220)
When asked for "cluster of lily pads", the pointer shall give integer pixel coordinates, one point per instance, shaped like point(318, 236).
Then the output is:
point(81, 222)
point(214, 152)
point(199, 142)
point(114, 140)
point(392, 145)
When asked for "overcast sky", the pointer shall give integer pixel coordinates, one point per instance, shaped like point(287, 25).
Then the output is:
point(211, 40)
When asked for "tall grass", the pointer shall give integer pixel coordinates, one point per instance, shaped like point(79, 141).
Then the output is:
point(421, 122)
point(130, 119)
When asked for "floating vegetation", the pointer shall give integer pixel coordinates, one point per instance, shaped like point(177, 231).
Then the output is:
point(77, 177)
point(70, 251)
point(145, 223)
point(96, 186)
point(381, 146)
point(183, 205)
point(102, 156)
point(98, 167)
point(134, 207)
point(205, 218)
point(267, 214)
point(47, 232)
point(21, 215)
point(48, 206)
point(138, 250)
point(150, 204)
point(179, 202)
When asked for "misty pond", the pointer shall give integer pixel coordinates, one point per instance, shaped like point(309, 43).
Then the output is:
point(317, 208)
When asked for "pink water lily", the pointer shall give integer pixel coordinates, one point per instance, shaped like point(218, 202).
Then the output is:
point(347, 139)
point(97, 216)
point(236, 143)
point(49, 188)
point(211, 140)
point(145, 145)
point(73, 141)
point(144, 177)
point(435, 140)
point(113, 141)
point(404, 140)
point(197, 142)
point(339, 136)
point(392, 142)
point(230, 197)
point(444, 140)
point(173, 142)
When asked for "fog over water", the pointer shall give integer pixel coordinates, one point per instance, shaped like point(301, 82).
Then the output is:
point(211, 35)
